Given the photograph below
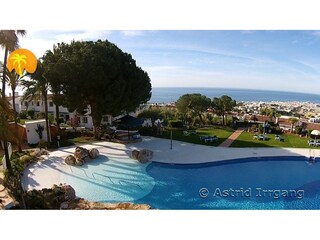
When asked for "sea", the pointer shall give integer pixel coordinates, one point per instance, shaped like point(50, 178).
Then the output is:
point(168, 95)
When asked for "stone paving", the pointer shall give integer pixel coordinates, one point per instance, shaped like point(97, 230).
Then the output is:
point(232, 138)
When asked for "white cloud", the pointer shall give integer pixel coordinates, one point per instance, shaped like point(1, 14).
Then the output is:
point(83, 35)
point(40, 41)
point(132, 33)
point(162, 68)
point(247, 31)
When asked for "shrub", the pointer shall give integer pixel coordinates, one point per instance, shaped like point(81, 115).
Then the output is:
point(23, 114)
point(26, 159)
point(229, 121)
point(253, 128)
point(217, 120)
point(51, 118)
point(196, 121)
point(74, 134)
point(61, 120)
point(40, 115)
point(87, 133)
point(147, 131)
point(176, 124)
point(13, 181)
point(298, 130)
point(42, 144)
point(31, 113)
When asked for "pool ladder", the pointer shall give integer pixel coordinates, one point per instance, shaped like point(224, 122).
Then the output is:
point(121, 181)
point(102, 175)
point(312, 154)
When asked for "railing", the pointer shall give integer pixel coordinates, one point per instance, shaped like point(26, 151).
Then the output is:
point(4, 157)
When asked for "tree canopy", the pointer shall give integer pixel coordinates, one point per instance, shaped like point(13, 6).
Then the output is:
point(97, 74)
point(195, 103)
point(222, 105)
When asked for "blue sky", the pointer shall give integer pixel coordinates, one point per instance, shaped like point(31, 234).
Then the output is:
point(273, 60)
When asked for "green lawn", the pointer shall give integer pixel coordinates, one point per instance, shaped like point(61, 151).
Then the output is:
point(290, 140)
point(222, 135)
point(73, 141)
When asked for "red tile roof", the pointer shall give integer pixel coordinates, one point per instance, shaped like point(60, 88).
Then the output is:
point(312, 126)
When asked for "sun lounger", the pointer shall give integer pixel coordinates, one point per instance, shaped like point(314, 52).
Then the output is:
point(136, 137)
point(207, 139)
point(279, 138)
point(261, 137)
point(311, 142)
point(188, 133)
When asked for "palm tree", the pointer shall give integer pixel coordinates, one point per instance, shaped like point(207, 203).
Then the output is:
point(37, 88)
point(5, 112)
point(293, 121)
point(13, 78)
point(9, 41)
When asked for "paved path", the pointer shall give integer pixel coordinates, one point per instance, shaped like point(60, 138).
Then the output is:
point(233, 136)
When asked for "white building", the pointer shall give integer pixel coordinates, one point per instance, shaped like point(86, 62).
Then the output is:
point(79, 119)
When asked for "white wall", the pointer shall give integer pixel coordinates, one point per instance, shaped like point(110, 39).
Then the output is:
point(32, 135)
point(88, 124)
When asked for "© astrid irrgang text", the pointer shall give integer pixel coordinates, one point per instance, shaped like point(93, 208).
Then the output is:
point(255, 192)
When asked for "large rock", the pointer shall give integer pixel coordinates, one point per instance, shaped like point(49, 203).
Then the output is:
point(135, 154)
point(79, 162)
point(70, 160)
point(145, 155)
point(64, 205)
point(69, 193)
point(94, 153)
point(82, 204)
point(81, 154)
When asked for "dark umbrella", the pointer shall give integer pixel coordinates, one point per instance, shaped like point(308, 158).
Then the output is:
point(129, 122)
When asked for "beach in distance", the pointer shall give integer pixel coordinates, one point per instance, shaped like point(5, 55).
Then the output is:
point(168, 94)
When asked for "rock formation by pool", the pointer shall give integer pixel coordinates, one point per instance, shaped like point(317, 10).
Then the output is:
point(81, 155)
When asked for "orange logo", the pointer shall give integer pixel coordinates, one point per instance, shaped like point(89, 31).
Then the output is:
point(22, 59)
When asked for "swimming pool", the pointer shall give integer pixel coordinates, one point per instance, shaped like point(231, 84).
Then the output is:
point(109, 180)
point(252, 183)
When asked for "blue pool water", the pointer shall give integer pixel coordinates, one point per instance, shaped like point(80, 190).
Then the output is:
point(109, 180)
point(255, 183)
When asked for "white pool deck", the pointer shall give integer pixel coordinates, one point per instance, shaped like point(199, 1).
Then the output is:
point(45, 173)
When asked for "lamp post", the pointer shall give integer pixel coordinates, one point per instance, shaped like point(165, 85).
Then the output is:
point(171, 139)
point(58, 140)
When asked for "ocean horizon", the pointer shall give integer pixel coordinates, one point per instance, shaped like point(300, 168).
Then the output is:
point(172, 94)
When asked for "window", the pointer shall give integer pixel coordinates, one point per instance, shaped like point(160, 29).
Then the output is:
point(50, 104)
point(38, 104)
point(84, 119)
point(105, 118)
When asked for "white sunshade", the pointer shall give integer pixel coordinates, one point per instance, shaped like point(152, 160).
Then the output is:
point(315, 132)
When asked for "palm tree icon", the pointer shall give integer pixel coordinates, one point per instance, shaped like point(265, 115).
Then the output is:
point(22, 59)
point(19, 62)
